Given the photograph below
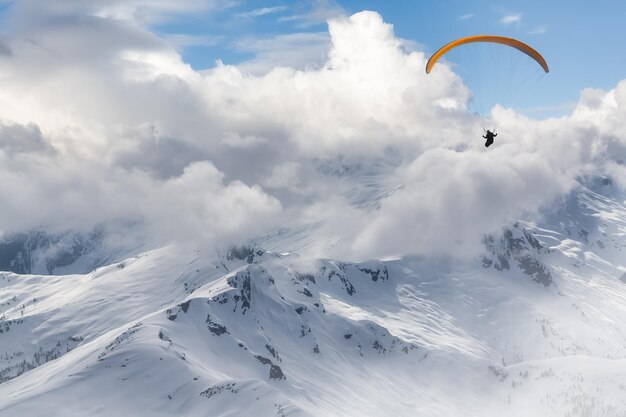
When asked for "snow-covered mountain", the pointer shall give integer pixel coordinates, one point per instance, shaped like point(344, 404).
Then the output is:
point(533, 327)
point(43, 253)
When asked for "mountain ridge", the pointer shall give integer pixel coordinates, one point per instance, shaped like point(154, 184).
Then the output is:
point(530, 326)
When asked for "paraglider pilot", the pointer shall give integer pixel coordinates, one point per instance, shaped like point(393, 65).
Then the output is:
point(489, 136)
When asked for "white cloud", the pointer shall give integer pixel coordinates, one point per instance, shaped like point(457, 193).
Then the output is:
point(297, 50)
point(25, 139)
point(318, 12)
point(467, 16)
point(144, 12)
point(513, 18)
point(262, 12)
point(156, 11)
point(539, 30)
point(354, 145)
point(284, 176)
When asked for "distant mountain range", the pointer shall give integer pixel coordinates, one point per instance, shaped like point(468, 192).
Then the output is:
point(534, 326)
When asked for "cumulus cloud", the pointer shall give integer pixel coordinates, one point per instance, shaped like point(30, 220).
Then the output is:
point(363, 154)
point(27, 139)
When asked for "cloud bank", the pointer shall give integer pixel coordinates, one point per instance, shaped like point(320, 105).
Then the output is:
point(102, 121)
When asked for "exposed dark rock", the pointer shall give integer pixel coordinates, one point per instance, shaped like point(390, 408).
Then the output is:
point(263, 360)
point(305, 277)
point(304, 330)
point(376, 273)
point(272, 351)
point(535, 269)
point(520, 247)
point(123, 339)
point(532, 240)
point(341, 275)
point(215, 328)
point(170, 316)
point(379, 347)
point(503, 263)
point(276, 372)
point(163, 337)
point(306, 292)
point(242, 281)
point(218, 389)
point(241, 253)
point(185, 306)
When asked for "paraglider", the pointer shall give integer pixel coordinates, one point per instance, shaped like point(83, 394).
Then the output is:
point(514, 43)
point(489, 136)
point(484, 66)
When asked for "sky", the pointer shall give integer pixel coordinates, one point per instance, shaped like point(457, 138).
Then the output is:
point(582, 41)
point(223, 121)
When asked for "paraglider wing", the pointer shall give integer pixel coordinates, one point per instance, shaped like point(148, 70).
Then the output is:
point(514, 43)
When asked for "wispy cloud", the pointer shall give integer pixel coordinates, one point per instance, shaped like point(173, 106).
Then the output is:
point(295, 50)
point(320, 11)
point(513, 18)
point(262, 12)
point(558, 109)
point(539, 30)
point(144, 11)
point(181, 40)
point(467, 16)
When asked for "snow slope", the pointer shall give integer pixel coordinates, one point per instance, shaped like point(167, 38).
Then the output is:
point(534, 327)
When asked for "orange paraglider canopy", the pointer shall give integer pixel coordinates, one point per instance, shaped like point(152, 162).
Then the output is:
point(514, 43)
